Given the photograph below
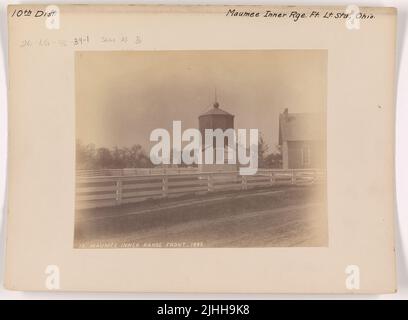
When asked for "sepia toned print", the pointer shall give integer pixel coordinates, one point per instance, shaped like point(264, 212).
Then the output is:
point(124, 108)
point(186, 149)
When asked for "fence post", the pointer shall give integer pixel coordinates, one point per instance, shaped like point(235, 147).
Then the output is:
point(118, 192)
point(165, 186)
point(272, 179)
point(244, 185)
point(210, 186)
point(293, 177)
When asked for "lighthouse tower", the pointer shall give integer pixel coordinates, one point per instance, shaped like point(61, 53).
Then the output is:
point(216, 118)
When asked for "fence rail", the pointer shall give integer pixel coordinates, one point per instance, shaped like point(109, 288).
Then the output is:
point(133, 171)
point(110, 190)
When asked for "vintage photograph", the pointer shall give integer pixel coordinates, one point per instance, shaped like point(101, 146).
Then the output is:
point(200, 149)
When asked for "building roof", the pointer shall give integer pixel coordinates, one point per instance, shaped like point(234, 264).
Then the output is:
point(215, 110)
point(301, 126)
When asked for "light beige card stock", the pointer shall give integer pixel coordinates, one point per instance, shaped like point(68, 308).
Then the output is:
point(201, 149)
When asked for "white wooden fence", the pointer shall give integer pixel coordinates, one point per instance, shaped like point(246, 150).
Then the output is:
point(100, 191)
point(134, 171)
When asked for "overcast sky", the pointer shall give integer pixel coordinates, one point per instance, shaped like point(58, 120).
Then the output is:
point(122, 96)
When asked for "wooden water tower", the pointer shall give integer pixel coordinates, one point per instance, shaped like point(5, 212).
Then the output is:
point(216, 118)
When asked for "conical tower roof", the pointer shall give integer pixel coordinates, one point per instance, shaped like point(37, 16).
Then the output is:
point(215, 110)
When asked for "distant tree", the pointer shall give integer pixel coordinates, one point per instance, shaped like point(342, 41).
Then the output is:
point(262, 152)
point(138, 158)
point(118, 158)
point(85, 155)
point(104, 158)
point(274, 159)
point(267, 159)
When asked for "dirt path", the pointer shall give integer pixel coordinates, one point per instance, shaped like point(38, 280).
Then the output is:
point(295, 217)
point(292, 226)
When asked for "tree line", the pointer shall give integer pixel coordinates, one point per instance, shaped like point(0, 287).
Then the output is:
point(89, 157)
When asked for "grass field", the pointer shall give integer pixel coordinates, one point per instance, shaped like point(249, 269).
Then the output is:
point(269, 217)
